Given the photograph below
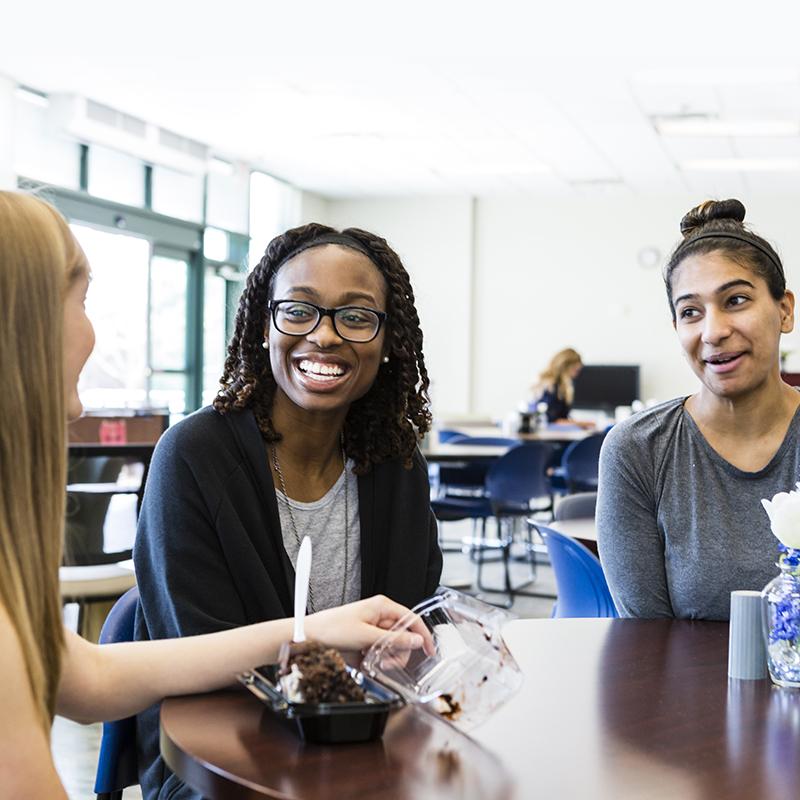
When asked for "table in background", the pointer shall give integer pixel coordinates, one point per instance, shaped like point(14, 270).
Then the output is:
point(582, 530)
point(436, 452)
point(622, 709)
point(553, 433)
point(458, 453)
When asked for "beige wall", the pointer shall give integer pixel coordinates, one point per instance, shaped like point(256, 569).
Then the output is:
point(504, 284)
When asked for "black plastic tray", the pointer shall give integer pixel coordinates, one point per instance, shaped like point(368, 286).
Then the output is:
point(326, 723)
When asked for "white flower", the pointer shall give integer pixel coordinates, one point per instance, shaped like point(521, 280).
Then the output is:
point(784, 517)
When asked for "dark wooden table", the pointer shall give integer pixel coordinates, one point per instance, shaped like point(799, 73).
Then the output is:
point(226, 745)
point(617, 709)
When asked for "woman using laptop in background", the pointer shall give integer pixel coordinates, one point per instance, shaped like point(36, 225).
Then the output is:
point(45, 339)
point(556, 388)
point(313, 433)
point(679, 517)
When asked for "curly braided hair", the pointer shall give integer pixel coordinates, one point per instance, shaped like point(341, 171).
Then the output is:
point(388, 421)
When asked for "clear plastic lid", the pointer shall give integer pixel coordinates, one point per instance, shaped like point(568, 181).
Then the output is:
point(471, 672)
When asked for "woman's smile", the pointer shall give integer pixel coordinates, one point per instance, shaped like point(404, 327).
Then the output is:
point(318, 372)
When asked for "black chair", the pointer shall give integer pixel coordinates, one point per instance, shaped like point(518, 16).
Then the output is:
point(91, 575)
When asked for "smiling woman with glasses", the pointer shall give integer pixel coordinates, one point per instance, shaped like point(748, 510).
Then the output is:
point(323, 401)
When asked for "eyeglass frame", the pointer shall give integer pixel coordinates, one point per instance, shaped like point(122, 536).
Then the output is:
point(322, 312)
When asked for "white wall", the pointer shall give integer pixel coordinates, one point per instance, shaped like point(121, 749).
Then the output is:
point(313, 208)
point(8, 179)
point(546, 275)
point(433, 237)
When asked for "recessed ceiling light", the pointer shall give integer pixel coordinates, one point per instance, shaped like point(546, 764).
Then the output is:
point(467, 170)
point(741, 165)
point(677, 77)
point(697, 125)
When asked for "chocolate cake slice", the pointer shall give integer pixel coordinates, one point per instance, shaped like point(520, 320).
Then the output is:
point(318, 674)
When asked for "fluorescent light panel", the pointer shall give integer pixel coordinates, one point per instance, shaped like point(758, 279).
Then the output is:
point(741, 165)
point(698, 126)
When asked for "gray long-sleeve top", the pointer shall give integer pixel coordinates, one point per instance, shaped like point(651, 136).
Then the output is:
point(679, 527)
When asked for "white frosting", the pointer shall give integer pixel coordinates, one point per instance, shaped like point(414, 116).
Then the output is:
point(290, 685)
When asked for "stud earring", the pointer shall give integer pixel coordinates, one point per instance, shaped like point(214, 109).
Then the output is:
point(386, 359)
point(265, 344)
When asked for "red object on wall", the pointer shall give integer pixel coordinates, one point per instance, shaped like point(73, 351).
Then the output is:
point(792, 378)
point(113, 431)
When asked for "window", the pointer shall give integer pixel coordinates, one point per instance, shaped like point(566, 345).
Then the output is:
point(116, 176)
point(137, 302)
point(178, 194)
point(116, 374)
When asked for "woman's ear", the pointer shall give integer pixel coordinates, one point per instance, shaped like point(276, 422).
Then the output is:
point(786, 305)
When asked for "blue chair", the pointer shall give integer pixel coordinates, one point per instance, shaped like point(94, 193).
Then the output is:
point(580, 462)
point(446, 434)
point(117, 765)
point(513, 480)
point(582, 587)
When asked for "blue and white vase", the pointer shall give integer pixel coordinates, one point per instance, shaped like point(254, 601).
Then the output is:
point(782, 620)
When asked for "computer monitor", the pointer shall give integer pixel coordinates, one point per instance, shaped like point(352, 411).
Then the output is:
point(604, 387)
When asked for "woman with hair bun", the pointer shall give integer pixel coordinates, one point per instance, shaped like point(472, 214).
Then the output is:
point(680, 522)
point(314, 433)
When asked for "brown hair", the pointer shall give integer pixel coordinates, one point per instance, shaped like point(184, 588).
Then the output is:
point(389, 419)
point(38, 257)
point(718, 226)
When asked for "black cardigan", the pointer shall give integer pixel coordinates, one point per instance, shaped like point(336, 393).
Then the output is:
point(209, 551)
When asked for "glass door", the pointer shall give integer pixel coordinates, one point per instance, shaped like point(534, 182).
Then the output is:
point(138, 302)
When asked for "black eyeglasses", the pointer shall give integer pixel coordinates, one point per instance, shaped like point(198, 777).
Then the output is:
point(352, 323)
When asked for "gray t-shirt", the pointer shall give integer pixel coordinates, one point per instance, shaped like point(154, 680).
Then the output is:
point(679, 527)
point(324, 521)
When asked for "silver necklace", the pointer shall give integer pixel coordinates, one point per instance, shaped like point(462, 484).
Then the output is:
point(279, 472)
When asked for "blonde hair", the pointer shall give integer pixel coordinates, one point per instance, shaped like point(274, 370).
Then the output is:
point(39, 258)
point(556, 377)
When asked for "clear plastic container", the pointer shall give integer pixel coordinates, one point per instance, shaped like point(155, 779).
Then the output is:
point(471, 672)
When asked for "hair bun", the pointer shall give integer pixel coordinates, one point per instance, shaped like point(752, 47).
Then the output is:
point(732, 210)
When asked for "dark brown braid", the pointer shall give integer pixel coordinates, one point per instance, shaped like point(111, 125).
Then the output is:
point(388, 421)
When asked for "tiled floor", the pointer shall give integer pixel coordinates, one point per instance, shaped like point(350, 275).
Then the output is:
point(76, 747)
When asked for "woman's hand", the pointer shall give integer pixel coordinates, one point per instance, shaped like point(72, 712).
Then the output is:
point(357, 626)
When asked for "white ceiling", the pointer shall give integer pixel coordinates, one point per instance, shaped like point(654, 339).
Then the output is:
point(353, 99)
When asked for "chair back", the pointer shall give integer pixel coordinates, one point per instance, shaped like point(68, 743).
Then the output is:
point(86, 511)
point(446, 434)
point(520, 476)
point(117, 764)
point(497, 441)
point(581, 584)
point(577, 506)
point(580, 463)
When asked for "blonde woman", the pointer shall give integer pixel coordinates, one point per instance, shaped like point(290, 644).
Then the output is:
point(555, 386)
point(45, 339)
